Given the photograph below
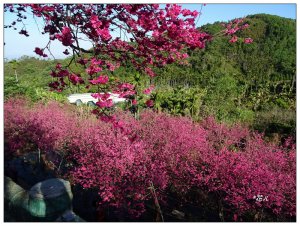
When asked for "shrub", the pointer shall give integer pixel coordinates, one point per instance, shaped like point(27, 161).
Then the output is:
point(158, 150)
point(179, 101)
point(122, 161)
point(44, 126)
point(276, 120)
point(15, 124)
point(245, 167)
point(44, 95)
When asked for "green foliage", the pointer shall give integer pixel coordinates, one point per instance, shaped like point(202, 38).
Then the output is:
point(45, 96)
point(179, 100)
point(224, 101)
point(33, 79)
point(276, 120)
point(12, 87)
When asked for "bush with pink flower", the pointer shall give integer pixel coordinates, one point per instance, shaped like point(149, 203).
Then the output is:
point(123, 160)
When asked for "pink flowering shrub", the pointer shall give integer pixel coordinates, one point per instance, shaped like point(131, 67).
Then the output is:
point(122, 160)
point(248, 173)
point(111, 163)
point(175, 145)
point(45, 127)
point(15, 124)
point(123, 167)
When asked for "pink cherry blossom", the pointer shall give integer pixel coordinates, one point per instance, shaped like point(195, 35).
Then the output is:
point(233, 39)
point(248, 40)
point(102, 79)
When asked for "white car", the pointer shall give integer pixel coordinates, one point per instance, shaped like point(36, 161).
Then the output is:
point(86, 98)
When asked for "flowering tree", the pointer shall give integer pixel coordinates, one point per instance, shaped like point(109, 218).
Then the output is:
point(154, 37)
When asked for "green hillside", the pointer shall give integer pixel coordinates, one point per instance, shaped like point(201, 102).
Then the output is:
point(270, 59)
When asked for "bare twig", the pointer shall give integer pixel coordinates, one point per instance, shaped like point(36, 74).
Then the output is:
point(152, 189)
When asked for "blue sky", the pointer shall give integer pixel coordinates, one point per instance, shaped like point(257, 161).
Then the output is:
point(17, 45)
point(224, 12)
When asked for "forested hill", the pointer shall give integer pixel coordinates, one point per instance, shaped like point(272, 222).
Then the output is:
point(269, 60)
point(245, 82)
point(272, 55)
